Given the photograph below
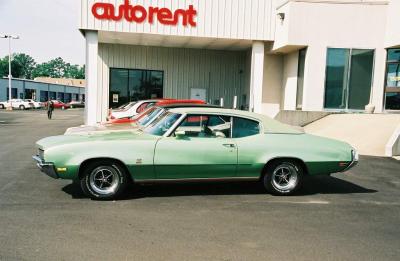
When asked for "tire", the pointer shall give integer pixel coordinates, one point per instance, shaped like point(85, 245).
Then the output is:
point(1, 106)
point(62, 108)
point(283, 177)
point(22, 107)
point(72, 107)
point(104, 180)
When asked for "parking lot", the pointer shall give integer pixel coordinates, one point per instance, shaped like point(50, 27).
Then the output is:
point(349, 216)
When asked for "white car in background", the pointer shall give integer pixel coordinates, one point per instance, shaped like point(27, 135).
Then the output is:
point(16, 104)
point(34, 104)
point(131, 109)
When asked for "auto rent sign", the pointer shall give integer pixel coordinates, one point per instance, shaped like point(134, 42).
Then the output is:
point(140, 14)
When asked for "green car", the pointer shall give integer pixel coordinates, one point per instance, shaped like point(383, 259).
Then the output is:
point(193, 144)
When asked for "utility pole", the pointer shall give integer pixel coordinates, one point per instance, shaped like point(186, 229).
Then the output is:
point(9, 37)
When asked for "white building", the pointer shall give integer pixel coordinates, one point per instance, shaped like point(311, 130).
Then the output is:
point(309, 55)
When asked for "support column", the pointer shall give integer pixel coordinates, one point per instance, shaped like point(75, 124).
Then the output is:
point(91, 90)
point(256, 76)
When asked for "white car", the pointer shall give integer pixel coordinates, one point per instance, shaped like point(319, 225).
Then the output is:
point(34, 104)
point(16, 104)
point(131, 109)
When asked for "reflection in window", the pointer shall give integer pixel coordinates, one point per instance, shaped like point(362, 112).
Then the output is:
point(300, 78)
point(244, 127)
point(206, 126)
point(348, 78)
point(162, 124)
point(392, 90)
point(132, 85)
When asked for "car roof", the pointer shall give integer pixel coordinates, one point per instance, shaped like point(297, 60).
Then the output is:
point(269, 125)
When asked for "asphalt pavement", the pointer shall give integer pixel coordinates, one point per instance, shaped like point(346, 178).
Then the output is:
point(349, 216)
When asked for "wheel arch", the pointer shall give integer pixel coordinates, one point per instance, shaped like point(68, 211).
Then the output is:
point(86, 162)
point(277, 159)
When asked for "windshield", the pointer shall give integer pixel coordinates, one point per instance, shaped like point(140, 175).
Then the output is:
point(160, 126)
point(149, 116)
point(128, 106)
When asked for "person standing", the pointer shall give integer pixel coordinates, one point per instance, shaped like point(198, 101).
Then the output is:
point(50, 108)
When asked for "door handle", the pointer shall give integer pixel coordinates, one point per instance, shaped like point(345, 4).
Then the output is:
point(229, 145)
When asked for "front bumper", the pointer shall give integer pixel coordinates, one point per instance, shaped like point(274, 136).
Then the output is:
point(46, 167)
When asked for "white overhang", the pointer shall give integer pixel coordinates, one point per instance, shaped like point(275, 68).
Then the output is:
point(173, 41)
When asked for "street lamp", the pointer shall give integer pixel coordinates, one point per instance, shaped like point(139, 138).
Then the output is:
point(9, 37)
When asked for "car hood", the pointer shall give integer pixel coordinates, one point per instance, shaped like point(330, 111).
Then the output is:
point(61, 140)
point(86, 129)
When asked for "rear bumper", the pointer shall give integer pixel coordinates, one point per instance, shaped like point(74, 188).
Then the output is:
point(354, 160)
point(46, 167)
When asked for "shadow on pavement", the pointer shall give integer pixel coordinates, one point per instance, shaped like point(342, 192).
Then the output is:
point(311, 186)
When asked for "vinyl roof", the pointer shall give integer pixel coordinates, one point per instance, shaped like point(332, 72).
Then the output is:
point(269, 125)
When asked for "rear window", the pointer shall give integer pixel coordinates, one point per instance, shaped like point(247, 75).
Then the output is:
point(244, 127)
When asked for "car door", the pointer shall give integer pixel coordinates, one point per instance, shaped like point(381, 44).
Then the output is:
point(246, 133)
point(200, 147)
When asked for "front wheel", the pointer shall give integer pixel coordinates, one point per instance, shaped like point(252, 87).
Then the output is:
point(22, 107)
point(104, 180)
point(283, 177)
point(1, 106)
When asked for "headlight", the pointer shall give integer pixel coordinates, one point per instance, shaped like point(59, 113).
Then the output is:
point(355, 155)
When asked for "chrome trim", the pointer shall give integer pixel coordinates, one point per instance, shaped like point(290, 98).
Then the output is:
point(175, 125)
point(354, 160)
point(45, 167)
point(197, 180)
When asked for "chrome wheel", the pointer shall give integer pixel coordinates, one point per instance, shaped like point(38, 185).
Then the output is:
point(285, 177)
point(104, 180)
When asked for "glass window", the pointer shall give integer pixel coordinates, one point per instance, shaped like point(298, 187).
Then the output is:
point(392, 90)
point(44, 96)
point(244, 127)
point(60, 96)
point(393, 55)
point(206, 126)
point(348, 78)
point(393, 75)
point(300, 78)
point(162, 124)
point(132, 85)
point(148, 116)
point(362, 62)
point(336, 78)
point(52, 95)
point(118, 87)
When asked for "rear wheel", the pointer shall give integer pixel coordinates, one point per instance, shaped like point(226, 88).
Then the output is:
point(22, 107)
point(1, 106)
point(104, 180)
point(283, 177)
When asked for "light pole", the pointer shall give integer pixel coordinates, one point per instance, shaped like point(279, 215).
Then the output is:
point(9, 37)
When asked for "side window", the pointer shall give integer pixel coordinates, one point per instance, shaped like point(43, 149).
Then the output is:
point(244, 127)
point(141, 107)
point(206, 126)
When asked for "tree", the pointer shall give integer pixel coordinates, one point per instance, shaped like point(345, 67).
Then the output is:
point(25, 63)
point(3, 67)
point(24, 66)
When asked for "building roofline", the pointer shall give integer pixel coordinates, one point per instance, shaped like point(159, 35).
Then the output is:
point(28, 80)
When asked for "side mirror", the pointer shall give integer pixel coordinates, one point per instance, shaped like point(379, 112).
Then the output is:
point(180, 134)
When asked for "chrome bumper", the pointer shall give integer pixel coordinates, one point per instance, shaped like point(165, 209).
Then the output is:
point(46, 167)
point(354, 160)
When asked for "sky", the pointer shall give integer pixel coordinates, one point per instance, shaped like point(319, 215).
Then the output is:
point(47, 29)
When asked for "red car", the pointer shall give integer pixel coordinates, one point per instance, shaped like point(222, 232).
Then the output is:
point(148, 109)
point(58, 105)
